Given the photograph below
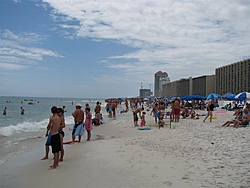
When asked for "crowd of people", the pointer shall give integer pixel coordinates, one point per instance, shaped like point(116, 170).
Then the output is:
point(242, 118)
point(83, 119)
point(55, 134)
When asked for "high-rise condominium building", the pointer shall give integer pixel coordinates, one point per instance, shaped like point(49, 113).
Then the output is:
point(160, 79)
point(233, 78)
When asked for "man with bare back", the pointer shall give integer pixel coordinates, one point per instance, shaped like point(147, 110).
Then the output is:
point(78, 126)
point(54, 124)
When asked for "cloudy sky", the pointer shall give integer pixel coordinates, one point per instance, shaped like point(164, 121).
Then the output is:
point(101, 49)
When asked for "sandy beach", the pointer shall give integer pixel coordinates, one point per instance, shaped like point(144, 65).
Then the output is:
point(194, 154)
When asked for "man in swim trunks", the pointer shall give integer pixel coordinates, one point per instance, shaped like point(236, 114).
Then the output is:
point(78, 126)
point(48, 135)
point(54, 124)
point(176, 110)
point(155, 111)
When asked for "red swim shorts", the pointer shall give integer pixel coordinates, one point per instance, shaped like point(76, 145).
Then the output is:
point(176, 111)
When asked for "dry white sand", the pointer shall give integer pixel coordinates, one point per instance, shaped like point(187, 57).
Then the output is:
point(194, 154)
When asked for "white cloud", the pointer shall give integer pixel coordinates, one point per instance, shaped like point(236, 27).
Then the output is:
point(9, 66)
point(180, 33)
point(15, 50)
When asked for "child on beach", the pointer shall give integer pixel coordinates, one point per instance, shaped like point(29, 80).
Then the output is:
point(88, 123)
point(192, 114)
point(143, 121)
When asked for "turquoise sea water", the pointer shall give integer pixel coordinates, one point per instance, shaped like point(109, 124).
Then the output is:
point(15, 127)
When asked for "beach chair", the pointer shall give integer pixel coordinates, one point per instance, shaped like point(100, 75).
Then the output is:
point(164, 120)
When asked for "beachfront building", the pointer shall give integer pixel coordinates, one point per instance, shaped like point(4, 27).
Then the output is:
point(161, 78)
point(203, 85)
point(145, 93)
point(186, 86)
point(171, 89)
point(233, 78)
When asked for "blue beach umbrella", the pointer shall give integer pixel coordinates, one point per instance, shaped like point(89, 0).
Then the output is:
point(171, 97)
point(213, 96)
point(231, 97)
point(243, 96)
point(188, 97)
point(226, 95)
point(198, 97)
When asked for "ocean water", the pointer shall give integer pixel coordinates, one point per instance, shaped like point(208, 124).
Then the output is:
point(15, 128)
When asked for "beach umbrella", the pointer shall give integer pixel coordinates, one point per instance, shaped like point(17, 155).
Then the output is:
point(226, 95)
point(188, 97)
point(171, 97)
point(231, 97)
point(198, 97)
point(213, 96)
point(243, 96)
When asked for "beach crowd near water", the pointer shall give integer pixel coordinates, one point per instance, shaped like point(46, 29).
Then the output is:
point(206, 145)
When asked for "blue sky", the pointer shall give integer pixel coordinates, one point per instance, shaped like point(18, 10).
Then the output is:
point(102, 49)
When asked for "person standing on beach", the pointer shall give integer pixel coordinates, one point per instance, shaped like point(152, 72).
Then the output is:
point(88, 123)
point(210, 108)
point(126, 104)
point(5, 111)
point(176, 109)
point(61, 132)
point(54, 124)
point(155, 111)
point(114, 105)
point(48, 135)
point(22, 111)
point(97, 113)
point(47, 143)
point(143, 120)
point(78, 126)
point(63, 110)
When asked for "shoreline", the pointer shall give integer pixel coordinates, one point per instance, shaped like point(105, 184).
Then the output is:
point(194, 154)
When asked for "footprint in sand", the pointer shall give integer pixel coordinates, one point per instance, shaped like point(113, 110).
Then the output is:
point(168, 183)
point(154, 176)
point(118, 151)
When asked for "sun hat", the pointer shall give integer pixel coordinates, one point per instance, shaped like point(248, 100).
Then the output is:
point(78, 104)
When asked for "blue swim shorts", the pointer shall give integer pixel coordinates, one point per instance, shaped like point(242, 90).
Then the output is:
point(48, 141)
point(77, 129)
